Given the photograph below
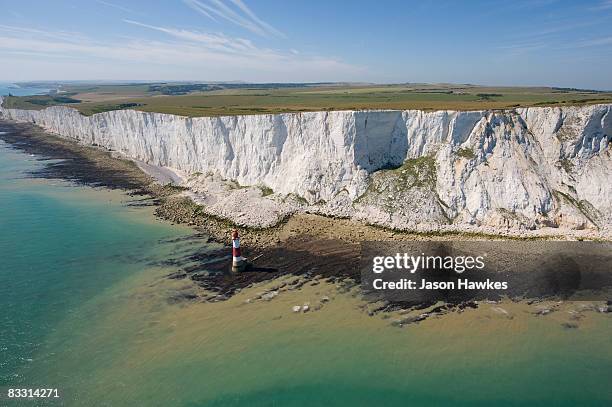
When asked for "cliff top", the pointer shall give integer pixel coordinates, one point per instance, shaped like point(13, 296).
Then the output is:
point(232, 99)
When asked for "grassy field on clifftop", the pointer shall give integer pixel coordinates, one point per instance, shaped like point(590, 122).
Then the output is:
point(196, 99)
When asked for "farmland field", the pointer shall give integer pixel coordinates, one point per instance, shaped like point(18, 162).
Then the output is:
point(239, 99)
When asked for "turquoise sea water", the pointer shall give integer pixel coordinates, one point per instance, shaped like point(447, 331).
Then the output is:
point(60, 245)
point(86, 308)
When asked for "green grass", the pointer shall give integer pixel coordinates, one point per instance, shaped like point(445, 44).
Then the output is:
point(466, 153)
point(417, 172)
point(265, 191)
point(260, 99)
point(39, 101)
point(567, 165)
point(413, 173)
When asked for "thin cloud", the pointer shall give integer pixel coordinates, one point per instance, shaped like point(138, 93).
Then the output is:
point(535, 46)
point(529, 4)
point(240, 15)
point(185, 55)
point(604, 5)
point(67, 36)
point(594, 42)
point(115, 6)
point(253, 17)
point(559, 27)
point(553, 36)
point(522, 48)
point(219, 41)
point(200, 8)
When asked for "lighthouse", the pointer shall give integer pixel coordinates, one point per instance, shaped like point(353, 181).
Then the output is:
point(238, 262)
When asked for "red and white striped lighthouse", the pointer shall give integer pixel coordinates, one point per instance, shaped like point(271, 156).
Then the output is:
point(238, 262)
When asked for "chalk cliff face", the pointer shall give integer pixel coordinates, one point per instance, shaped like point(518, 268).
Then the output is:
point(528, 169)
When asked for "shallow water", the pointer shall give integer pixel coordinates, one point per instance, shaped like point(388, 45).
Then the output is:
point(61, 245)
point(86, 309)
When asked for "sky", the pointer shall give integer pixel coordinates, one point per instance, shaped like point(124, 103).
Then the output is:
point(489, 42)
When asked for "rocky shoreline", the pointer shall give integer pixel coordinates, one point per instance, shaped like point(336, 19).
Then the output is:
point(310, 247)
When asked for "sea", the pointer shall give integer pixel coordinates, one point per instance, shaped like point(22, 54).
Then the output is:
point(88, 308)
point(7, 88)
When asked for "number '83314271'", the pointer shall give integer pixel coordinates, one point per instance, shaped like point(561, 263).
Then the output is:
point(32, 393)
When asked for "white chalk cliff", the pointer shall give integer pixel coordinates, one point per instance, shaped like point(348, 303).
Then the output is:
point(534, 170)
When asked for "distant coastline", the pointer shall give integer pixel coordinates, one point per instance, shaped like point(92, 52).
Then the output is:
point(11, 88)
